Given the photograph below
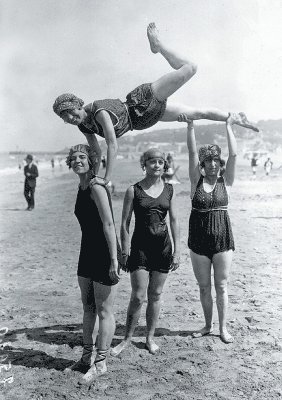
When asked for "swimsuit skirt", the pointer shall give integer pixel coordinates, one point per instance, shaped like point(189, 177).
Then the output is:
point(210, 229)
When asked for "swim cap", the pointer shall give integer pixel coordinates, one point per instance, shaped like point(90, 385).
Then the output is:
point(66, 101)
point(83, 148)
point(209, 151)
point(153, 153)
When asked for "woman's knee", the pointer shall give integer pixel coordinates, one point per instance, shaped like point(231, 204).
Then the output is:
point(221, 287)
point(205, 289)
point(154, 295)
point(105, 312)
point(188, 71)
point(137, 299)
point(89, 307)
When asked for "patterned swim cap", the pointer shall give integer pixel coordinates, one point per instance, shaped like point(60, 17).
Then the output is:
point(66, 101)
point(83, 148)
point(209, 151)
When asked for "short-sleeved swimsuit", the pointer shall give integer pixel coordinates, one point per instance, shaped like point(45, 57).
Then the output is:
point(210, 229)
point(94, 259)
point(141, 110)
point(151, 247)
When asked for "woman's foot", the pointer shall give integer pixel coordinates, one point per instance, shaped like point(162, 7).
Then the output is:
point(202, 332)
point(115, 351)
point(153, 36)
point(226, 337)
point(242, 120)
point(151, 346)
point(97, 369)
point(80, 366)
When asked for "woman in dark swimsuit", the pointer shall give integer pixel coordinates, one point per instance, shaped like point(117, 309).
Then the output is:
point(151, 256)
point(210, 234)
point(98, 265)
point(144, 106)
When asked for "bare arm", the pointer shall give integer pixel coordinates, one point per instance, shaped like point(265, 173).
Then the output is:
point(99, 195)
point(105, 121)
point(95, 151)
point(175, 231)
point(232, 150)
point(125, 222)
point(194, 173)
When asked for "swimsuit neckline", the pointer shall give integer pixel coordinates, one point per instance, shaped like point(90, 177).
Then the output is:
point(212, 188)
point(150, 195)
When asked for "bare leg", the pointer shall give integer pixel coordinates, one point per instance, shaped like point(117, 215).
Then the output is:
point(90, 327)
point(139, 282)
point(155, 288)
point(202, 271)
point(182, 113)
point(104, 299)
point(184, 69)
point(222, 263)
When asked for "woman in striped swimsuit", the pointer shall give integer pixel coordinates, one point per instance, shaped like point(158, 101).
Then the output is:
point(144, 107)
point(210, 235)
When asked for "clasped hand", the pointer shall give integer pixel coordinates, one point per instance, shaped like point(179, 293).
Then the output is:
point(175, 262)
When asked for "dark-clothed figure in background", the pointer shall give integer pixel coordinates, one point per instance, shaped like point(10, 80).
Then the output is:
point(30, 173)
point(254, 164)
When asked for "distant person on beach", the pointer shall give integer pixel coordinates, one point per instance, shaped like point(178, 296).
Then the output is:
point(268, 166)
point(98, 265)
point(210, 234)
point(144, 106)
point(52, 163)
point(151, 256)
point(254, 164)
point(30, 173)
point(169, 175)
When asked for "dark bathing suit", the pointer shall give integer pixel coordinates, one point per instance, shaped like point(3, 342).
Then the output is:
point(141, 110)
point(94, 259)
point(151, 247)
point(209, 224)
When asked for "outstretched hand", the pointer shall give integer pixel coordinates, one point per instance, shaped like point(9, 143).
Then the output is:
point(231, 119)
point(185, 118)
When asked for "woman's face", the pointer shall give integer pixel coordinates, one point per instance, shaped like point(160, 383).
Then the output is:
point(212, 166)
point(74, 117)
point(155, 166)
point(79, 163)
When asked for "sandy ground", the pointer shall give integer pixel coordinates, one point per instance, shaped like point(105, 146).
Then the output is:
point(40, 301)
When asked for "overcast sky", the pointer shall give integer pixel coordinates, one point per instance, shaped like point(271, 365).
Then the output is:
point(98, 49)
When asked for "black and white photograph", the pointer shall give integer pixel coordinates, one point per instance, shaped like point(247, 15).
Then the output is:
point(141, 200)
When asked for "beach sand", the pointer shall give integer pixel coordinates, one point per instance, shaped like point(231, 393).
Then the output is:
point(41, 307)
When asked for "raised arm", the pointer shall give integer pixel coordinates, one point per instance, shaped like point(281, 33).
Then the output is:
point(194, 173)
point(175, 231)
point(99, 195)
point(232, 153)
point(105, 121)
point(125, 222)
